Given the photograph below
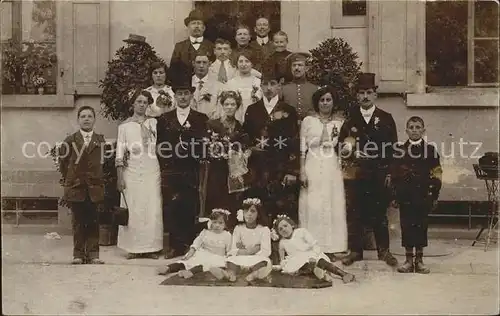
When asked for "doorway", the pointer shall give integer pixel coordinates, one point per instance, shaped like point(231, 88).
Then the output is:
point(223, 16)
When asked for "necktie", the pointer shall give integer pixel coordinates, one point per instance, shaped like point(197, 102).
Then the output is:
point(86, 140)
point(324, 134)
point(222, 73)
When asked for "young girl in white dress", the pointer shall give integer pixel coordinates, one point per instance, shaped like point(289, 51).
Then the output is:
point(163, 96)
point(251, 245)
point(208, 251)
point(298, 249)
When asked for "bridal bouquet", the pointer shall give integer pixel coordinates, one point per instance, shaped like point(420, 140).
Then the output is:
point(164, 100)
point(217, 146)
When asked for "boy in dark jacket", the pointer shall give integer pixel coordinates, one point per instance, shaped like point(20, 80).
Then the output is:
point(417, 181)
point(81, 161)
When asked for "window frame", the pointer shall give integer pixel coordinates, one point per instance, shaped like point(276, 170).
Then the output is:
point(339, 21)
point(58, 100)
point(471, 38)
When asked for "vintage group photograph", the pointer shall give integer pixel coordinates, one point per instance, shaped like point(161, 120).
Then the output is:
point(249, 157)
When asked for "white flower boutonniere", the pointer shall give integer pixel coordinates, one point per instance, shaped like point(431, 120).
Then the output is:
point(376, 120)
point(354, 129)
point(187, 125)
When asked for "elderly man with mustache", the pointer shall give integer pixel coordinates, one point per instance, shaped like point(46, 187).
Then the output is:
point(298, 93)
point(185, 51)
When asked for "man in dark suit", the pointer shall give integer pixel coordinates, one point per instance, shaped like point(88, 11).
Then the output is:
point(80, 161)
point(298, 93)
point(185, 51)
point(274, 163)
point(368, 138)
point(262, 30)
point(179, 151)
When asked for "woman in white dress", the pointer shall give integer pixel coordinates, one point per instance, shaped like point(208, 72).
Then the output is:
point(299, 250)
point(245, 82)
point(139, 181)
point(163, 96)
point(322, 206)
point(251, 244)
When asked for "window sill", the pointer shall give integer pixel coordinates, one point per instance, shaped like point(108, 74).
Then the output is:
point(455, 97)
point(37, 101)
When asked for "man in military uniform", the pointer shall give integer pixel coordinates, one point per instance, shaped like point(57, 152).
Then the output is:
point(298, 93)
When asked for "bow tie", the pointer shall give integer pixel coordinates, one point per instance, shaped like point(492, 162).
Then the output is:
point(366, 114)
point(197, 41)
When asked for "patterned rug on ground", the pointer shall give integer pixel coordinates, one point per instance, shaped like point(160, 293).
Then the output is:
point(276, 279)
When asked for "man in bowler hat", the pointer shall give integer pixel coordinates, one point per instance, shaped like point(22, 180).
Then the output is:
point(179, 138)
point(185, 51)
point(298, 93)
point(367, 141)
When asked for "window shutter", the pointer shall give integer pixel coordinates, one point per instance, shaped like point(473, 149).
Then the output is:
point(392, 40)
point(85, 45)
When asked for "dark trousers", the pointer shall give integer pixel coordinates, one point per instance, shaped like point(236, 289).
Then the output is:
point(414, 221)
point(85, 222)
point(180, 208)
point(367, 201)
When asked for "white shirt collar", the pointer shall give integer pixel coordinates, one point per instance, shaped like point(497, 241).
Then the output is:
point(367, 112)
point(416, 142)
point(197, 80)
point(197, 39)
point(263, 40)
point(84, 133)
point(271, 103)
point(183, 112)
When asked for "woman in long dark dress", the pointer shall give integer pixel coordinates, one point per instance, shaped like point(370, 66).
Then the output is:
point(227, 178)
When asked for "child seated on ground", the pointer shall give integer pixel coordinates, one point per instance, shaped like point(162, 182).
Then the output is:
point(303, 252)
point(208, 251)
point(251, 245)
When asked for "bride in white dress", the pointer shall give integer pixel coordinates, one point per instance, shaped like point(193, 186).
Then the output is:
point(322, 199)
point(139, 181)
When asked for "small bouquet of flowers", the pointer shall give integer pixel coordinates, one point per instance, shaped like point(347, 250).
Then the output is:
point(218, 146)
point(256, 94)
point(164, 100)
point(39, 82)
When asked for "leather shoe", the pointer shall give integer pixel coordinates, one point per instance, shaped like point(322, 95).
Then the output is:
point(96, 261)
point(172, 254)
point(421, 268)
point(351, 258)
point(388, 258)
point(407, 267)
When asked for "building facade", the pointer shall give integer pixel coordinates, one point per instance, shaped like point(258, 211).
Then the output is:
point(392, 39)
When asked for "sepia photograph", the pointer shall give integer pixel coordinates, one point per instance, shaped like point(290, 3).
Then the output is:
point(262, 157)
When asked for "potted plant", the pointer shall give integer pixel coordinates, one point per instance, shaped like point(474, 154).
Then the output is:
point(24, 63)
point(39, 84)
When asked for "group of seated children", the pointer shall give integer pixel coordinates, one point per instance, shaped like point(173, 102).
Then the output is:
point(248, 250)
